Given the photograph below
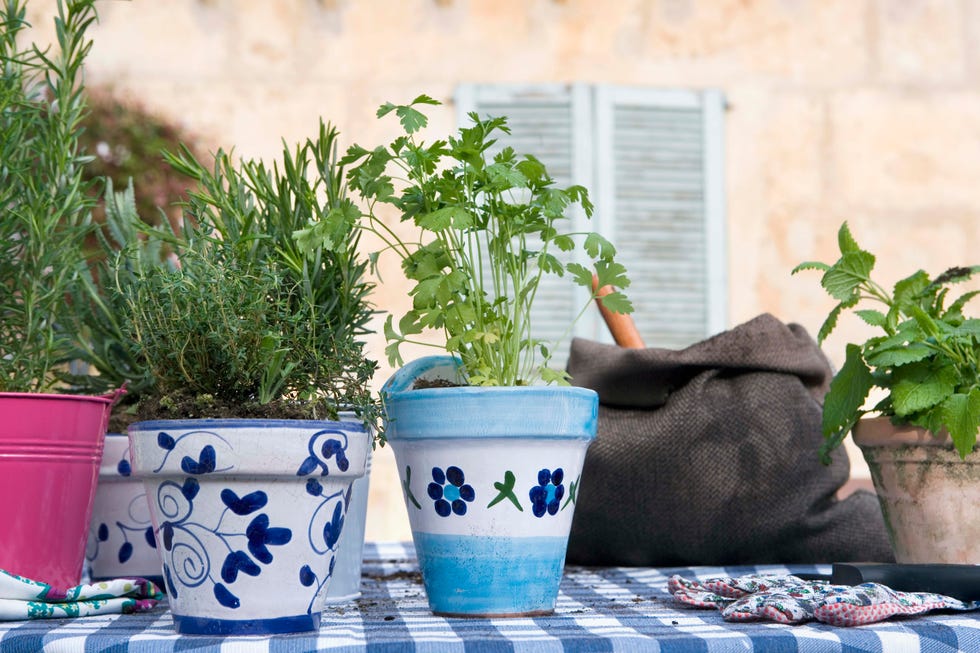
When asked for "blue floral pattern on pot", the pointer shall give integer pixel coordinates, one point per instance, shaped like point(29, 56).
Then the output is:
point(546, 496)
point(125, 551)
point(121, 541)
point(449, 491)
point(183, 539)
point(248, 516)
point(324, 532)
point(522, 449)
point(324, 446)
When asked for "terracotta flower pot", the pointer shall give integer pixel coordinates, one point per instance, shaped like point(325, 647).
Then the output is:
point(50, 450)
point(490, 477)
point(928, 494)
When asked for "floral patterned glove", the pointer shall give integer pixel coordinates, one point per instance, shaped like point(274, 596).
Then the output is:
point(791, 600)
point(21, 598)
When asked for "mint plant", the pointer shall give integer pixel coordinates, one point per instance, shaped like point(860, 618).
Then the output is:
point(927, 357)
point(490, 227)
point(45, 210)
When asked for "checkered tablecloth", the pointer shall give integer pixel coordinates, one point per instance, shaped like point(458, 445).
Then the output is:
point(615, 609)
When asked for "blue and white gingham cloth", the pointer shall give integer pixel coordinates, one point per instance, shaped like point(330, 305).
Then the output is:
point(615, 609)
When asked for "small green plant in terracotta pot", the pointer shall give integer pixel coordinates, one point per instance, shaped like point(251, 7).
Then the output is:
point(259, 418)
point(51, 442)
point(491, 466)
point(919, 438)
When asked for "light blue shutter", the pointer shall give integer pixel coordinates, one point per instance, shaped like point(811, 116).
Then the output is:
point(652, 161)
point(659, 182)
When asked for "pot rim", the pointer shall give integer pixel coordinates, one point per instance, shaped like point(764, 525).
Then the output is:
point(56, 396)
point(484, 413)
point(236, 422)
point(881, 432)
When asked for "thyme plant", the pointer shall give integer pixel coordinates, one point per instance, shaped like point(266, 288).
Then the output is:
point(246, 323)
point(45, 211)
point(926, 358)
point(491, 227)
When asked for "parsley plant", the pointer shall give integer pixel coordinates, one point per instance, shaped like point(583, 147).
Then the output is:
point(491, 225)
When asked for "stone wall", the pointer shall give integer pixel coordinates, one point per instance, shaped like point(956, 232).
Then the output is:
point(859, 110)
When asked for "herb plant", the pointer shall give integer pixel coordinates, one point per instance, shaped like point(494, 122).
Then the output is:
point(490, 228)
point(247, 324)
point(102, 344)
point(927, 358)
point(45, 211)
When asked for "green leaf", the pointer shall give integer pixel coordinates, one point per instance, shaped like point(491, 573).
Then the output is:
point(564, 243)
point(961, 416)
point(449, 216)
point(918, 386)
point(617, 302)
point(558, 377)
point(410, 323)
point(598, 247)
point(424, 293)
point(611, 274)
point(581, 274)
point(394, 340)
point(956, 307)
point(872, 317)
point(844, 278)
point(909, 288)
point(829, 324)
point(810, 265)
point(412, 119)
point(924, 320)
point(846, 241)
point(848, 391)
point(354, 154)
point(900, 355)
point(551, 264)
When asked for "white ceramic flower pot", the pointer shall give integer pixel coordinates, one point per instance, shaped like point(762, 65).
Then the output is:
point(345, 584)
point(928, 494)
point(248, 516)
point(121, 543)
point(490, 477)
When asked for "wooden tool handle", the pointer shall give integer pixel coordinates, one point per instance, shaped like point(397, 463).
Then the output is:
point(620, 325)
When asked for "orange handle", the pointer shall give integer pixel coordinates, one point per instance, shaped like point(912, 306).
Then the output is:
point(621, 326)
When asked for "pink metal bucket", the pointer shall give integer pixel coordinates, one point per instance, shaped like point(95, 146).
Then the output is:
point(50, 451)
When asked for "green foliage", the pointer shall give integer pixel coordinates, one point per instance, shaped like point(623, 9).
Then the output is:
point(247, 318)
point(45, 209)
point(97, 309)
point(926, 360)
point(490, 225)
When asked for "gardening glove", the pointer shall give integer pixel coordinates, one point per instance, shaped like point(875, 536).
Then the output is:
point(21, 598)
point(791, 600)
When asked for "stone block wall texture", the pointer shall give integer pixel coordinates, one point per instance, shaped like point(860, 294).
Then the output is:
point(859, 110)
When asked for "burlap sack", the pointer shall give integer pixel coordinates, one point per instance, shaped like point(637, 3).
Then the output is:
point(708, 456)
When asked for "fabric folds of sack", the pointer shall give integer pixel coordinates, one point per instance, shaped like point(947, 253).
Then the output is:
point(709, 456)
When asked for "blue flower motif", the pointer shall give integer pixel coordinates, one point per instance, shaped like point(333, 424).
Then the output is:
point(547, 494)
point(259, 535)
point(332, 446)
point(449, 491)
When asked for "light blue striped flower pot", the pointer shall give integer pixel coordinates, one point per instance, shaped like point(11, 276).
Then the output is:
point(490, 478)
point(248, 516)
